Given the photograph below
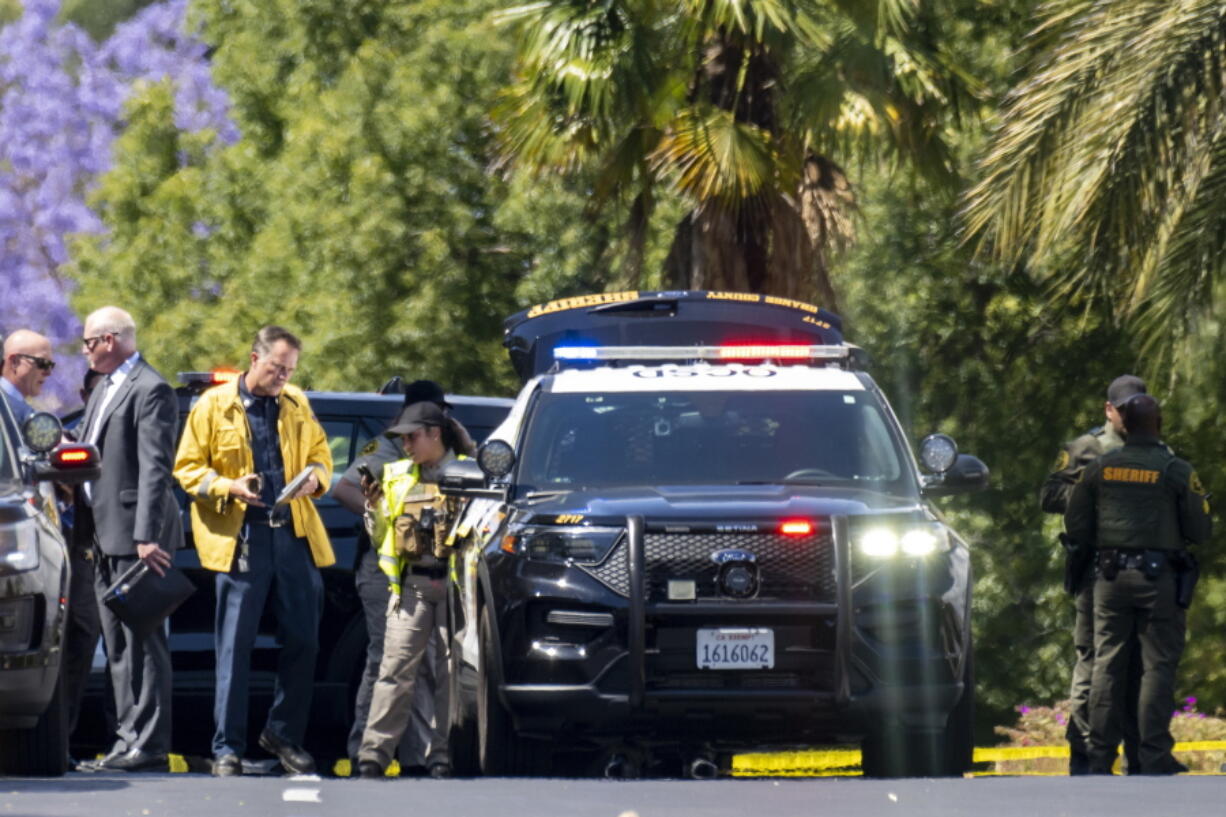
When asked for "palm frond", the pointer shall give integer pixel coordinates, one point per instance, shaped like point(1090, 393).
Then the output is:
point(712, 157)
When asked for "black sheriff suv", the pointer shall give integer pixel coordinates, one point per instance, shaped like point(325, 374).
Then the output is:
point(34, 584)
point(700, 530)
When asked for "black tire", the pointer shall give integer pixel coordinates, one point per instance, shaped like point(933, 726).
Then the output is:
point(43, 750)
point(500, 751)
point(960, 728)
point(895, 751)
point(462, 735)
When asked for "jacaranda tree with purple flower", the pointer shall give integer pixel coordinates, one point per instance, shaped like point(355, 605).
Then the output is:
point(61, 100)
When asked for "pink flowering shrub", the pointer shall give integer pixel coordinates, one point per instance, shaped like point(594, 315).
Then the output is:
point(1044, 726)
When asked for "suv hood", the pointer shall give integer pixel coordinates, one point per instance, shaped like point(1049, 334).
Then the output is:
point(721, 502)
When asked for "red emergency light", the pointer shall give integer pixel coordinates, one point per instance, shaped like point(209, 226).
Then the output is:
point(72, 456)
point(796, 527)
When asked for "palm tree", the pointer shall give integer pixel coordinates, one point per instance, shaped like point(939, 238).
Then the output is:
point(743, 107)
point(1107, 177)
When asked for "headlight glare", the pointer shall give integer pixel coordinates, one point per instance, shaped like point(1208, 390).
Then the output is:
point(879, 543)
point(919, 542)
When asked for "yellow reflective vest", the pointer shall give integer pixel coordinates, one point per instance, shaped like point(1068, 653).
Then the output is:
point(398, 482)
point(215, 449)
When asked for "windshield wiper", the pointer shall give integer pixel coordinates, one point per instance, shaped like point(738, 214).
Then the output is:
point(780, 482)
point(547, 494)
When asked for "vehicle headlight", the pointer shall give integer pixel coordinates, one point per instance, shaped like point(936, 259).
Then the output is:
point(884, 542)
point(18, 547)
point(584, 545)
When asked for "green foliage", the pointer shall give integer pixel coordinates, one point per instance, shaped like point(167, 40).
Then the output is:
point(1108, 173)
point(99, 17)
point(358, 209)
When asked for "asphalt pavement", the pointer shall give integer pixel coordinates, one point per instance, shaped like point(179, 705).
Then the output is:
point(198, 795)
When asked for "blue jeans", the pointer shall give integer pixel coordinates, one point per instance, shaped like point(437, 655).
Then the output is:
point(279, 564)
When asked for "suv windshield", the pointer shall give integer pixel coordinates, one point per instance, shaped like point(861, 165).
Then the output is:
point(585, 441)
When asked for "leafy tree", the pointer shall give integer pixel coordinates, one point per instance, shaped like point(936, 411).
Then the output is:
point(360, 208)
point(1108, 173)
point(743, 108)
point(60, 101)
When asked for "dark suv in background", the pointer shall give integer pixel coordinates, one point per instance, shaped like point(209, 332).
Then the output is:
point(351, 420)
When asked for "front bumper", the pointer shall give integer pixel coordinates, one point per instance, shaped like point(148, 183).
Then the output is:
point(887, 647)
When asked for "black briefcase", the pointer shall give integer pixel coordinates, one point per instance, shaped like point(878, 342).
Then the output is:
point(142, 599)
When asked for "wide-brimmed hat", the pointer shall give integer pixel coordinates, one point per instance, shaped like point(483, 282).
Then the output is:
point(416, 416)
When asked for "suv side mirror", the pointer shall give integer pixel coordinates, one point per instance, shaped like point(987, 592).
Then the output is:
point(465, 479)
point(967, 476)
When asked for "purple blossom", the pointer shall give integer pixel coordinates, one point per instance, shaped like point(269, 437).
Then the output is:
point(1024, 710)
point(61, 98)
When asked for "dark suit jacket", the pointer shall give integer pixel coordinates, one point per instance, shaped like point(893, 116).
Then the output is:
point(133, 500)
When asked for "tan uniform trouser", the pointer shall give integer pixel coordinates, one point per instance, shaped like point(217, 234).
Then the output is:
point(422, 610)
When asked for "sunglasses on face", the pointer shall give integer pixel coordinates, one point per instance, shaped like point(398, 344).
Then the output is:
point(40, 362)
point(90, 343)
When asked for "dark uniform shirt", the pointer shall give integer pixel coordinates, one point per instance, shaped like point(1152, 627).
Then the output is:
point(262, 416)
point(1071, 461)
point(1137, 497)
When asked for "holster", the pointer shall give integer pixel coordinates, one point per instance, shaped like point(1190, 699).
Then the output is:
point(1108, 564)
point(1187, 574)
point(1078, 559)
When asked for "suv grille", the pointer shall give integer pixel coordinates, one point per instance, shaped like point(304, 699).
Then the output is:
point(792, 568)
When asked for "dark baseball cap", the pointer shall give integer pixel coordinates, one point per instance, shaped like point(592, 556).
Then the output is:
point(420, 390)
point(416, 416)
point(1124, 388)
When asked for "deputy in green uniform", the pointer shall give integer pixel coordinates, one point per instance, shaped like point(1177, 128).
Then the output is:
point(1141, 506)
point(1074, 456)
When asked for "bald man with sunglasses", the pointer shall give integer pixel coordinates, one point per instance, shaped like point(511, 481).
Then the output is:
point(27, 365)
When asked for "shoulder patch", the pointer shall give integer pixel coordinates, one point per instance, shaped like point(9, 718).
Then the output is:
point(1195, 485)
point(1062, 460)
point(369, 448)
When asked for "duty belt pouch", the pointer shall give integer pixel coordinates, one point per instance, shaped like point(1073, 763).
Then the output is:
point(409, 541)
point(412, 528)
point(1108, 564)
point(1155, 560)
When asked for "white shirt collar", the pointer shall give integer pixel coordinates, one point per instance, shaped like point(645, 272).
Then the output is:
point(125, 369)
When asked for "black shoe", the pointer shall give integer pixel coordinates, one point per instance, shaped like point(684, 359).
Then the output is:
point(369, 770)
point(295, 759)
point(136, 760)
point(1171, 766)
point(227, 765)
point(440, 771)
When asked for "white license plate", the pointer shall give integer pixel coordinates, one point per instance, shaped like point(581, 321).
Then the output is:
point(736, 648)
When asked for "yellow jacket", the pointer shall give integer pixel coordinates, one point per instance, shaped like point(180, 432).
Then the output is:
point(216, 449)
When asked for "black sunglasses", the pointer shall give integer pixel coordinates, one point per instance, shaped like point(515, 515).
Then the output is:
point(90, 343)
point(40, 362)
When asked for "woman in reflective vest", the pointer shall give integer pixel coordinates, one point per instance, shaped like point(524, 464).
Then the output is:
point(410, 530)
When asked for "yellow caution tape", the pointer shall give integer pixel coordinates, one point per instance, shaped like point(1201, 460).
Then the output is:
point(820, 763)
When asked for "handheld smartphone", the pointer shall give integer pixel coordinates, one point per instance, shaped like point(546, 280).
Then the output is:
point(364, 470)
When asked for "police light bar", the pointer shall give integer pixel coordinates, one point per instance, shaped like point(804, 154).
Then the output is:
point(731, 352)
point(213, 378)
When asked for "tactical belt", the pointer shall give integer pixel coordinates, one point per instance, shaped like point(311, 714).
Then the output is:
point(436, 572)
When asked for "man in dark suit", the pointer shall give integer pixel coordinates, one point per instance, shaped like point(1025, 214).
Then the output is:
point(130, 514)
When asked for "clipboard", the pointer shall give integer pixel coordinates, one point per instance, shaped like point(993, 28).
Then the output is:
point(294, 484)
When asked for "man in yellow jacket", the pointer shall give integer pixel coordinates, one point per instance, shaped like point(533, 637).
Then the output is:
point(243, 443)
